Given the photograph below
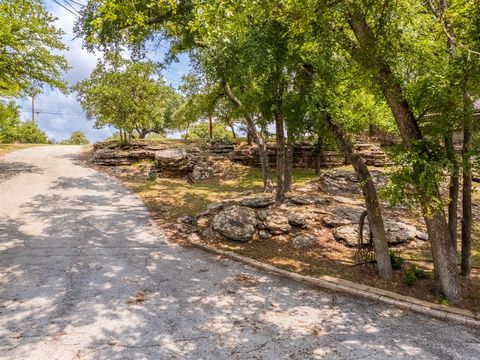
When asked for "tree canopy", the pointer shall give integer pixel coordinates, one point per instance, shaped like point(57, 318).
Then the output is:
point(29, 45)
point(128, 95)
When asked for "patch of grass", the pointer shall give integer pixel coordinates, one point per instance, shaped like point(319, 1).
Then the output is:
point(8, 148)
point(168, 199)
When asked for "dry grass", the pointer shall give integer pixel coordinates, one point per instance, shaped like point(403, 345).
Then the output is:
point(169, 199)
point(8, 148)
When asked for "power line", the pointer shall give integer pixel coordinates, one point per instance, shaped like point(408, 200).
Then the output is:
point(67, 2)
point(53, 113)
point(66, 8)
point(77, 3)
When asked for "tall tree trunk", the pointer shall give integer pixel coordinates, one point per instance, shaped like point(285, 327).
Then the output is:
point(280, 136)
point(437, 227)
point(372, 204)
point(289, 162)
point(453, 193)
point(317, 153)
point(210, 126)
point(249, 137)
point(288, 167)
point(466, 193)
point(259, 141)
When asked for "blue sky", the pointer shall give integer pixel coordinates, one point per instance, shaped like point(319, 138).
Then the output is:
point(58, 114)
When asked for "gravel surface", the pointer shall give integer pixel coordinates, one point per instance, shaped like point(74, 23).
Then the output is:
point(84, 275)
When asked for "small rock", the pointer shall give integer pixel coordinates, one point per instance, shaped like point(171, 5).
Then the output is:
point(215, 206)
point(257, 201)
point(277, 222)
point(208, 233)
point(300, 200)
point(236, 223)
point(346, 201)
point(262, 215)
point(334, 221)
point(296, 219)
point(187, 219)
point(304, 241)
point(422, 236)
point(264, 234)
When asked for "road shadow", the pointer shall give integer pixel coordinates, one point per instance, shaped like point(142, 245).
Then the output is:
point(9, 169)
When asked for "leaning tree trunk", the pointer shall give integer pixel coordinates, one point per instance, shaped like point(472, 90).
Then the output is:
point(372, 204)
point(280, 136)
point(453, 193)
point(437, 227)
point(259, 141)
point(467, 199)
point(317, 152)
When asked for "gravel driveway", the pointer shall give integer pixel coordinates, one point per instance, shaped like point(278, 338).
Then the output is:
point(83, 275)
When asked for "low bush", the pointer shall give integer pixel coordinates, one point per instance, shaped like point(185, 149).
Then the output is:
point(412, 275)
point(396, 260)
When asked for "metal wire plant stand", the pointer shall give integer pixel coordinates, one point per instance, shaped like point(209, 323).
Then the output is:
point(364, 253)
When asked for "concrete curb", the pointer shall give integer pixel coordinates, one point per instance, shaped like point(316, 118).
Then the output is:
point(461, 316)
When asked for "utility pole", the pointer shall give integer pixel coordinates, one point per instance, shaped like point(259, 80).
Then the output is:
point(33, 108)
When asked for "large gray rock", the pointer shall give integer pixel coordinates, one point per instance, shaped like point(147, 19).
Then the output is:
point(304, 241)
point(277, 223)
point(175, 161)
point(236, 223)
point(296, 219)
point(348, 235)
point(397, 233)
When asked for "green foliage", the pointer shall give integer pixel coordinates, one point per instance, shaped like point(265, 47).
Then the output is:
point(12, 130)
point(412, 275)
point(443, 301)
point(29, 43)
point(396, 260)
point(416, 177)
point(9, 122)
point(201, 131)
point(30, 133)
point(131, 96)
point(76, 138)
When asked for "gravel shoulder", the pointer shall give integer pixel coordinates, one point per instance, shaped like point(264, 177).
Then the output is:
point(84, 275)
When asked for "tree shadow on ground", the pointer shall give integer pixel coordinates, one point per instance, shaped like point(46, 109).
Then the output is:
point(85, 275)
point(9, 169)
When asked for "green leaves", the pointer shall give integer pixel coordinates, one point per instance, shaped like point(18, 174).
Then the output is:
point(28, 45)
point(128, 95)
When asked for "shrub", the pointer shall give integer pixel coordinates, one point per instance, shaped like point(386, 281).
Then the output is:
point(201, 131)
point(396, 260)
point(412, 275)
point(76, 138)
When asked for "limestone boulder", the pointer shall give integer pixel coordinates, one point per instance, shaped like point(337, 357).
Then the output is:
point(236, 223)
point(277, 222)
